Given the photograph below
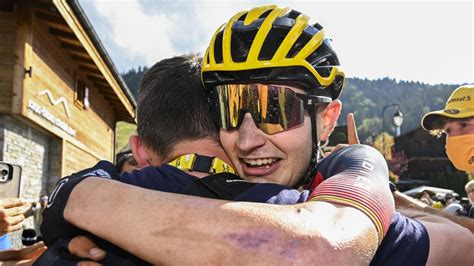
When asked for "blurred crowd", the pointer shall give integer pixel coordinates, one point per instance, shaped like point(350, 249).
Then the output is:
point(448, 200)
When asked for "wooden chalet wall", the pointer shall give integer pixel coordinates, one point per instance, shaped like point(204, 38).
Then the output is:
point(60, 94)
point(54, 78)
point(7, 59)
point(44, 54)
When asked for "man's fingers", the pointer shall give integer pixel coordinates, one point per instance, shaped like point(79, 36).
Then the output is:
point(352, 137)
point(83, 247)
point(12, 202)
point(11, 224)
point(33, 251)
point(11, 212)
point(13, 228)
point(11, 219)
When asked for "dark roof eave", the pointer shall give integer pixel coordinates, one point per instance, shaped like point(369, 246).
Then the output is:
point(79, 12)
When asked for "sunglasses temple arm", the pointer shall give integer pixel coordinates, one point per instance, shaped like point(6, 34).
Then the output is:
point(314, 133)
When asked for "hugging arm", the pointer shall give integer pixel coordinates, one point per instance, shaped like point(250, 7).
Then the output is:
point(450, 243)
point(169, 228)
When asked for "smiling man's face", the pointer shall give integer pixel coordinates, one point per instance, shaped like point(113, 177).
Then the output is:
point(281, 158)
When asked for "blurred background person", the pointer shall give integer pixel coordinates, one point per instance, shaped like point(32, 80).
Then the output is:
point(470, 191)
point(470, 195)
point(125, 161)
point(12, 215)
point(456, 120)
point(13, 212)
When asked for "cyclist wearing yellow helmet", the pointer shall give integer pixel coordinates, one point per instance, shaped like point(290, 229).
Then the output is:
point(274, 82)
point(340, 226)
point(270, 65)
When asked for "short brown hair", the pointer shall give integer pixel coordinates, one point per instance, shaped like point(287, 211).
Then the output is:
point(172, 105)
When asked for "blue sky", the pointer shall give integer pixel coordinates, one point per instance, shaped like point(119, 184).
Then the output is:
point(427, 41)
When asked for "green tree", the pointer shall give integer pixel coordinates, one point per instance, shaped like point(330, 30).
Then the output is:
point(455, 181)
point(133, 77)
point(379, 144)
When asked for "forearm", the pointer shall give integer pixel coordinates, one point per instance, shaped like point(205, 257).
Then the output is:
point(406, 203)
point(170, 228)
point(450, 243)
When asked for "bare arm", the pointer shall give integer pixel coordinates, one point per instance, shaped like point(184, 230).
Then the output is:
point(404, 202)
point(451, 237)
point(181, 229)
point(450, 243)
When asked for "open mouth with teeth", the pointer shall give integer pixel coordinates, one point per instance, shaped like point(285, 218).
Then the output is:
point(261, 162)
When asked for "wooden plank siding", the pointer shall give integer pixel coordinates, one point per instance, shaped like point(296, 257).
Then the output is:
point(55, 72)
point(73, 22)
point(76, 159)
point(46, 36)
point(7, 60)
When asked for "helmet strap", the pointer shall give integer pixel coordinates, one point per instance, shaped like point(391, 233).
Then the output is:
point(316, 153)
point(321, 147)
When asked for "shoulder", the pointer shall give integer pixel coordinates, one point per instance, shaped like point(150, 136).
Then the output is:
point(356, 176)
point(104, 169)
point(163, 171)
point(355, 153)
point(406, 243)
point(450, 243)
point(164, 178)
point(358, 157)
point(273, 194)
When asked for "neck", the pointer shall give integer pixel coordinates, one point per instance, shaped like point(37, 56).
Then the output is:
point(206, 147)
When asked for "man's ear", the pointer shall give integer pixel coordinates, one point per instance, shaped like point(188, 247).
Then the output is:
point(329, 119)
point(139, 151)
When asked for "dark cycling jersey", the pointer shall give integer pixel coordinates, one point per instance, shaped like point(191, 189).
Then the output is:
point(405, 243)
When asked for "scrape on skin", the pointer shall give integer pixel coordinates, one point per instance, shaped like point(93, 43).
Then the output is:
point(266, 240)
point(257, 239)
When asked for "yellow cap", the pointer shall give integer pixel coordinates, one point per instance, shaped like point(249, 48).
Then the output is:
point(459, 105)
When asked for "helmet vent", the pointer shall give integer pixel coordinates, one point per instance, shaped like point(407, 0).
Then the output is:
point(265, 14)
point(319, 61)
point(218, 48)
point(293, 14)
point(318, 26)
point(242, 18)
point(298, 45)
point(241, 41)
point(272, 42)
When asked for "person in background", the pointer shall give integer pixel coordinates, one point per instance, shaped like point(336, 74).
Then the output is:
point(470, 195)
point(13, 212)
point(12, 215)
point(456, 120)
point(470, 191)
point(125, 161)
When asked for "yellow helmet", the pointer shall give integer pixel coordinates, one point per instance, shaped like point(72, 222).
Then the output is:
point(269, 44)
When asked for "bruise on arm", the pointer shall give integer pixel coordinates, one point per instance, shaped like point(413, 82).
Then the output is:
point(166, 228)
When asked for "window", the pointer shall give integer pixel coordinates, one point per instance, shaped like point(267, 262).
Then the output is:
point(82, 95)
point(6, 6)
